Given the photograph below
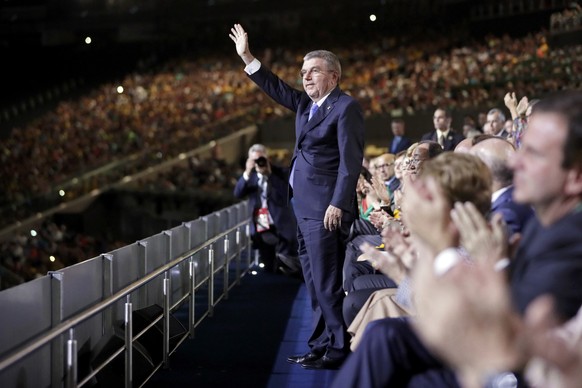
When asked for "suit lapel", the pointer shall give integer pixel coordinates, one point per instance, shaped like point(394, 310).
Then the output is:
point(321, 114)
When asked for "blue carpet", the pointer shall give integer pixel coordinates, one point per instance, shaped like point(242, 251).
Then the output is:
point(239, 345)
point(294, 341)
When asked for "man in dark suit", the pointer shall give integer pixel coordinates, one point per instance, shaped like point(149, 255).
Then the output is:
point(443, 133)
point(496, 123)
point(327, 159)
point(400, 142)
point(548, 176)
point(273, 230)
point(496, 153)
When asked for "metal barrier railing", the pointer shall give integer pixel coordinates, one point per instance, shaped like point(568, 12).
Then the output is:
point(69, 360)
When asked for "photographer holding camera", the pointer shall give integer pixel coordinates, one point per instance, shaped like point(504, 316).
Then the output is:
point(274, 228)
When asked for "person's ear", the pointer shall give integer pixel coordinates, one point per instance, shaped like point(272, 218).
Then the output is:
point(574, 182)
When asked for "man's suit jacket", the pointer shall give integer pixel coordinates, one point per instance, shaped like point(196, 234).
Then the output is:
point(549, 261)
point(503, 133)
point(401, 146)
point(277, 203)
point(514, 214)
point(329, 148)
point(393, 184)
point(453, 138)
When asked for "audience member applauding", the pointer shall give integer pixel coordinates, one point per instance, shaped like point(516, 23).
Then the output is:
point(548, 261)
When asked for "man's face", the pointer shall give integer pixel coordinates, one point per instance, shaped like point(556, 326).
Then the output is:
point(440, 120)
point(398, 163)
point(385, 168)
point(397, 129)
point(318, 79)
point(413, 164)
point(538, 177)
point(508, 126)
point(495, 123)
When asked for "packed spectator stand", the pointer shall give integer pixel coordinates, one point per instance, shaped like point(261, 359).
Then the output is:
point(151, 116)
point(155, 115)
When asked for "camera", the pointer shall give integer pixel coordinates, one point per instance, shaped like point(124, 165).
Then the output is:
point(261, 161)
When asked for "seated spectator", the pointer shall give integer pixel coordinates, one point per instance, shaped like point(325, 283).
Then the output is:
point(547, 176)
point(461, 177)
point(496, 123)
point(497, 153)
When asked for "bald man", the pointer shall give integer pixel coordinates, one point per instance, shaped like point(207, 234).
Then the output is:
point(496, 153)
point(385, 171)
point(465, 145)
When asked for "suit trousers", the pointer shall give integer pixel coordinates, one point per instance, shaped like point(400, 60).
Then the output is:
point(353, 268)
point(321, 253)
point(392, 355)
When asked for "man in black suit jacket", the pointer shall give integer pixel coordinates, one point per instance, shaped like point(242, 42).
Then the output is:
point(327, 159)
point(274, 229)
point(497, 153)
point(400, 142)
point(548, 176)
point(443, 133)
point(496, 123)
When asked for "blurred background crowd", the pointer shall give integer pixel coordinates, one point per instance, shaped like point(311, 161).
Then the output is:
point(165, 106)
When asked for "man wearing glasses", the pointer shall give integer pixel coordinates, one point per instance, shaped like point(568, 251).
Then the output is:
point(327, 159)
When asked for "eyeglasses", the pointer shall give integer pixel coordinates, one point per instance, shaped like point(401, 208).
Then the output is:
point(314, 72)
point(384, 165)
point(412, 162)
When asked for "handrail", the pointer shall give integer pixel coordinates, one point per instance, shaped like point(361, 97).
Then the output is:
point(35, 344)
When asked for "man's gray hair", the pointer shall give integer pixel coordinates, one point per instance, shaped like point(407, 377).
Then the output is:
point(501, 114)
point(258, 148)
point(330, 59)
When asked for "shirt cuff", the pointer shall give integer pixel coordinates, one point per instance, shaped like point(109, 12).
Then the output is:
point(245, 176)
point(446, 260)
point(253, 67)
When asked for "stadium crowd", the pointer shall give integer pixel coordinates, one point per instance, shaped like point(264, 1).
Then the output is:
point(187, 102)
point(444, 193)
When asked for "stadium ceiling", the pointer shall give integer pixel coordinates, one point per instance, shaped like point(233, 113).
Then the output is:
point(48, 23)
point(63, 22)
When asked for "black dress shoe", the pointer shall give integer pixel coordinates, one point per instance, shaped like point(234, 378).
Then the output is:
point(324, 362)
point(301, 358)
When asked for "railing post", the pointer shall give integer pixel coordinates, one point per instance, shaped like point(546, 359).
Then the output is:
point(128, 343)
point(142, 293)
point(167, 300)
point(57, 345)
point(226, 266)
point(72, 361)
point(191, 285)
point(192, 303)
point(249, 245)
point(166, 318)
point(238, 256)
point(107, 289)
point(211, 280)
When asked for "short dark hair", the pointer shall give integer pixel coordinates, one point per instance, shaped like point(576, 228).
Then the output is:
point(568, 105)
